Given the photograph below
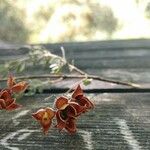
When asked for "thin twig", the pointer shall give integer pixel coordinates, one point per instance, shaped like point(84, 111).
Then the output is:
point(82, 75)
point(78, 70)
point(74, 76)
point(70, 65)
point(74, 86)
point(57, 80)
point(86, 75)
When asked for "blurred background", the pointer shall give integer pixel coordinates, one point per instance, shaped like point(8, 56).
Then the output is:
point(49, 21)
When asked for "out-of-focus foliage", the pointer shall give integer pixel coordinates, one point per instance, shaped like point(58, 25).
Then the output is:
point(37, 57)
point(38, 21)
point(71, 20)
point(147, 10)
point(55, 21)
point(104, 19)
point(12, 24)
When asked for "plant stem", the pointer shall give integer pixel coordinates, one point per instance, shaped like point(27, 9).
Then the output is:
point(74, 86)
point(82, 75)
point(94, 77)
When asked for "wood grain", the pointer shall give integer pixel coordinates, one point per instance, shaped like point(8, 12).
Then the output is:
point(121, 117)
point(118, 121)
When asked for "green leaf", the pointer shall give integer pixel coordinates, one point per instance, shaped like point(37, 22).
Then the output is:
point(87, 81)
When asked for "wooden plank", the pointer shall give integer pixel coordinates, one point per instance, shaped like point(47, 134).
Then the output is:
point(103, 45)
point(126, 60)
point(136, 75)
point(119, 121)
point(109, 44)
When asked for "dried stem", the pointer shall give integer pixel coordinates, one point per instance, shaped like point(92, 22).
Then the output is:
point(94, 77)
point(74, 86)
point(82, 75)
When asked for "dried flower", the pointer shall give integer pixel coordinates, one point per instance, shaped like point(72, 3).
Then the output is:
point(66, 114)
point(16, 87)
point(44, 116)
point(7, 102)
point(79, 98)
point(65, 122)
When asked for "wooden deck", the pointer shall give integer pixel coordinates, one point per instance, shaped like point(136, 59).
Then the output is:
point(121, 118)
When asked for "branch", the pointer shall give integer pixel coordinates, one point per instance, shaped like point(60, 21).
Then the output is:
point(94, 77)
point(82, 75)
point(86, 75)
